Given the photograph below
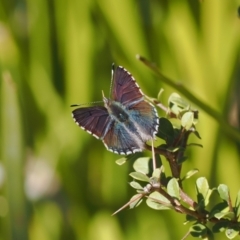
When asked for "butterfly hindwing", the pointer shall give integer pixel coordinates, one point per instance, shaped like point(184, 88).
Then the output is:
point(146, 118)
point(121, 139)
point(94, 120)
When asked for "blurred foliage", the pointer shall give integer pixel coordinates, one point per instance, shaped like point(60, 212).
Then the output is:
point(58, 182)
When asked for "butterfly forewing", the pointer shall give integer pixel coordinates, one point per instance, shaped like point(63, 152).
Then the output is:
point(95, 120)
point(125, 89)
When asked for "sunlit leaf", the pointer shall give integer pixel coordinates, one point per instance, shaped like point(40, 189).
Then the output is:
point(142, 165)
point(187, 120)
point(136, 185)
point(173, 188)
point(190, 174)
point(231, 233)
point(158, 201)
point(223, 192)
point(140, 176)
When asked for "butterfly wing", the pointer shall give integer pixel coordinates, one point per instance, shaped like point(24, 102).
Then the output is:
point(121, 139)
point(126, 91)
point(95, 120)
point(146, 120)
point(124, 87)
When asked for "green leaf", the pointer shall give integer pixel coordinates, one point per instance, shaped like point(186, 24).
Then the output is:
point(166, 131)
point(220, 226)
point(157, 172)
point(198, 230)
point(190, 174)
point(195, 145)
point(136, 185)
point(223, 192)
point(121, 161)
point(173, 188)
point(197, 134)
point(231, 233)
point(177, 104)
point(187, 120)
point(182, 159)
point(136, 202)
point(140, 176)
point(142, 165)
point(220, 207)
point(225, 215)
point(158, 202)
point(203, 190)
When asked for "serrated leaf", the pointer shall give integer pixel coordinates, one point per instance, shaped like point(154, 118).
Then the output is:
point(140, 176)
point(231, 233)
point(173, 188)
point(223, 192)
point(158, 202)
point(121, 161)
point(225, 215)
point(136, 185)
point(190, 174)
point(142, 165)
point(187, 120)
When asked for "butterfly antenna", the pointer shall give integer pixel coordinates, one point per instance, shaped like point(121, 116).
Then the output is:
point(83, 104)
point(112, 72)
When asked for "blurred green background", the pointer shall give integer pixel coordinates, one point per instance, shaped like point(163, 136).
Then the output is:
point(57, 181)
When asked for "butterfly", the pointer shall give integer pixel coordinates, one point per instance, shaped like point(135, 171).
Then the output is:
point(126, 121)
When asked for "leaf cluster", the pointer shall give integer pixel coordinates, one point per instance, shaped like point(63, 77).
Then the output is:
point(164, 192)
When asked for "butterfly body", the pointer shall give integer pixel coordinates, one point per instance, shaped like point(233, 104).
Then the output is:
point(126, 121)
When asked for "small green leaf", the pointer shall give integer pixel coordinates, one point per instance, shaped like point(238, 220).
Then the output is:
point(225, 215)
point(173, 188)
point(190, 174)
point(220, 226)
point(142, 165)
point(177, 104)
point(166, 131)
point(203, 190)
point(187, 120)
point(231, 233)
point(197, 134)
point(223, 192)
point(202, 186)
point(195, 145)
point(220, 207)
point(198, 230)
point(136, 202)
point(121, 161)
point(158, 202)
point(157, 172)
point(182, 159)
point(140, 176)
point(136, 185)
